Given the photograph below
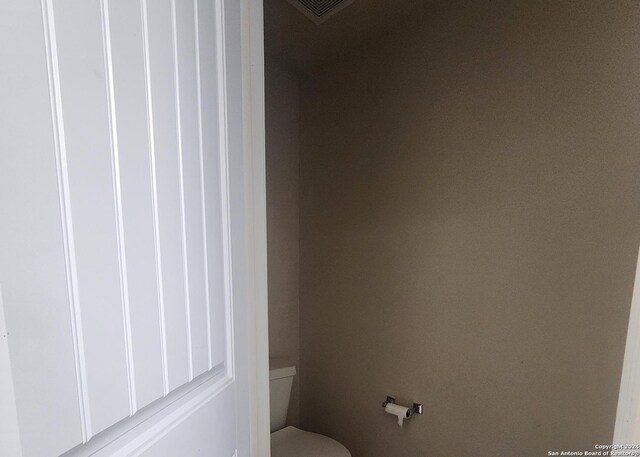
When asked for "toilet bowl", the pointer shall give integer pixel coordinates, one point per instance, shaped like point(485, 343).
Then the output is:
point(291, 441)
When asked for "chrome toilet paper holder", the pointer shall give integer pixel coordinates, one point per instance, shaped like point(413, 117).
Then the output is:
point(416, 409)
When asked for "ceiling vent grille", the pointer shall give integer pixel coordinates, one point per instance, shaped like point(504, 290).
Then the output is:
point(320, 10)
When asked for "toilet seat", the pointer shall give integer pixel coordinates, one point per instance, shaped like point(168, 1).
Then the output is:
point(293, 442)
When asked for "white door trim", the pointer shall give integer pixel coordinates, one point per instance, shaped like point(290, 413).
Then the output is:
point(255, 179)
point(627, 430)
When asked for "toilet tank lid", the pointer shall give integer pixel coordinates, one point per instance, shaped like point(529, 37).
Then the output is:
point(281, 368)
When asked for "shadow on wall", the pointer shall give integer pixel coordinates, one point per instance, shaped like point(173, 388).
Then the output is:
point(282, 150)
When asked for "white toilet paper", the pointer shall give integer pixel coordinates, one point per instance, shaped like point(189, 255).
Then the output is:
point(401, 412)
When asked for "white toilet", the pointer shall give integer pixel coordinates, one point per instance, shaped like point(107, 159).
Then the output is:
point(291, 441)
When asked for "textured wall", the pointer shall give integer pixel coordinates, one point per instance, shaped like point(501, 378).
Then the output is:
point(282, 118)
point(469, 229)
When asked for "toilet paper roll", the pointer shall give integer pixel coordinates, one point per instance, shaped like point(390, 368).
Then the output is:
point(401, 412)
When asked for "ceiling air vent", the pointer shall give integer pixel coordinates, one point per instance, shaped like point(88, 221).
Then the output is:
point(320, 10)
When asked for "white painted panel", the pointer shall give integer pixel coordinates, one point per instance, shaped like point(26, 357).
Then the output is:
point(230, 10)
point(132, 141)
point(214, 148)
point(189, 138)
point(92, 182)
point(208, 429)
point(9, 429)
point(167, 172)
point(248, 273)
point(196, 419)
point(115, 257)
point(33, 272)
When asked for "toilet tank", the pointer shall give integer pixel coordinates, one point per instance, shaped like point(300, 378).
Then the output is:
point(281, 373)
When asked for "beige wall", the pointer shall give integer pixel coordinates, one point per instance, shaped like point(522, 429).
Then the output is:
point(470, 219)
point(282, 119)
